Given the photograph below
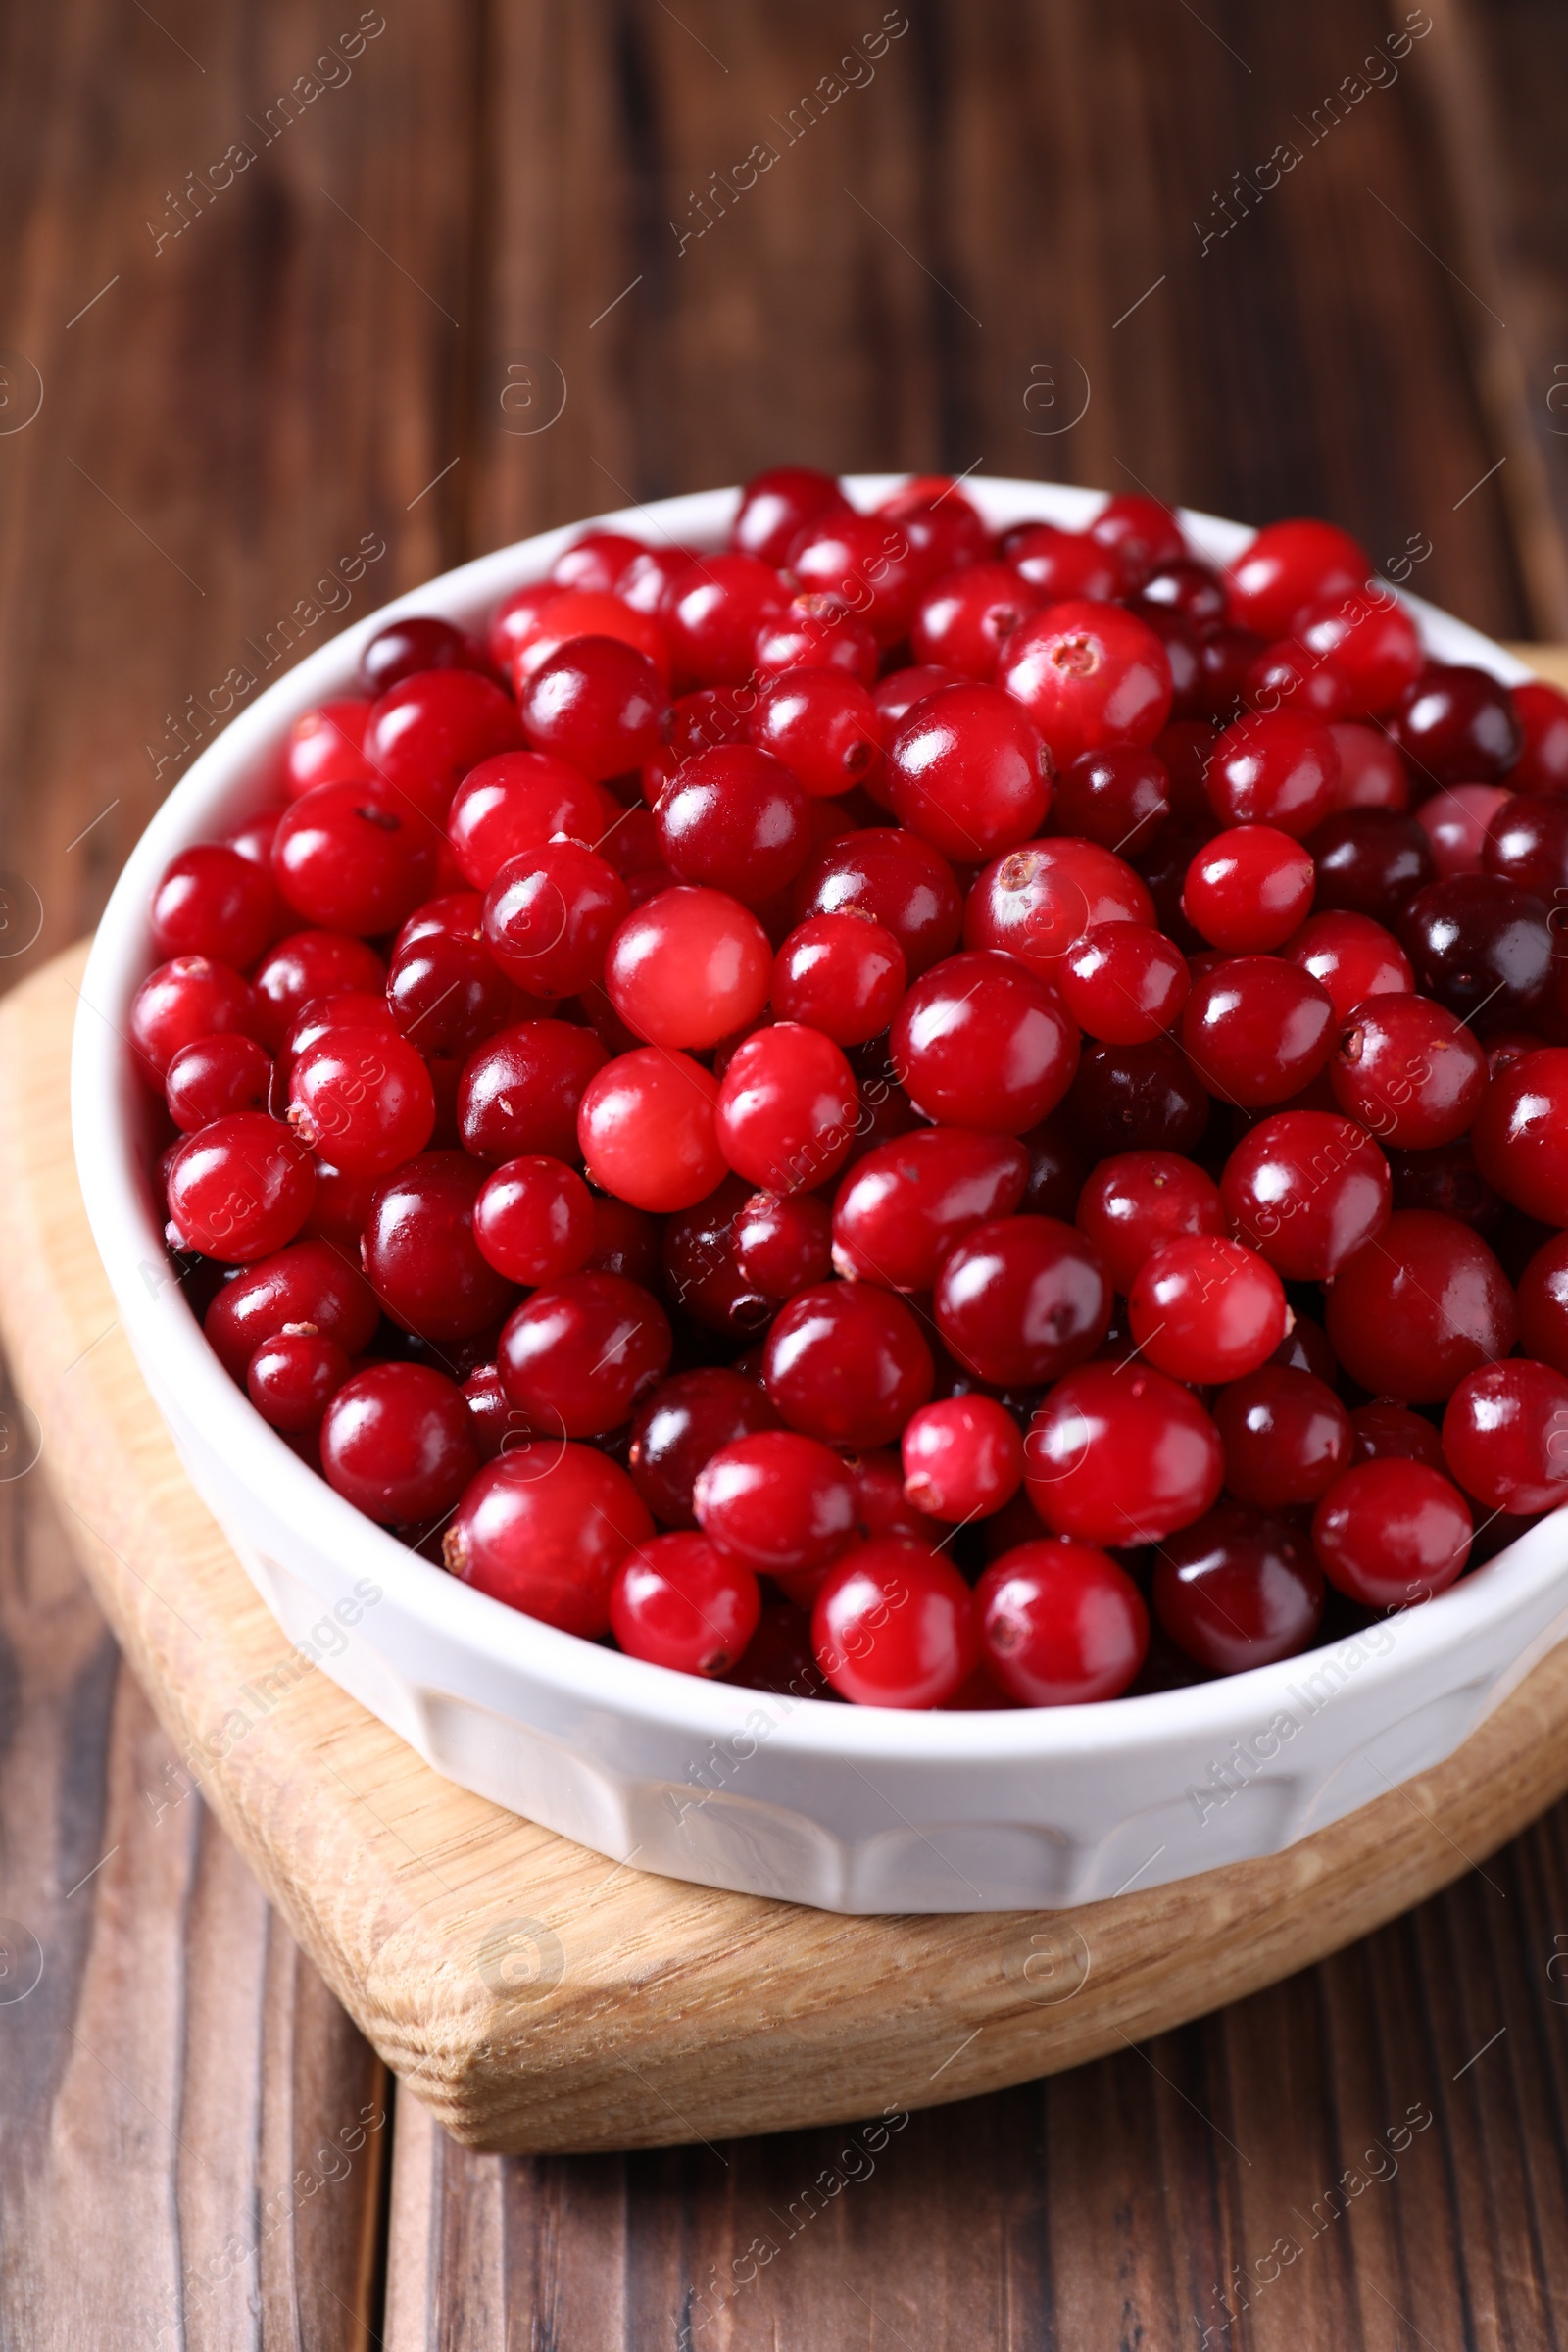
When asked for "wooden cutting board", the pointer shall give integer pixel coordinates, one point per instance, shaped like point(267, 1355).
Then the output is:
point(533, 1994)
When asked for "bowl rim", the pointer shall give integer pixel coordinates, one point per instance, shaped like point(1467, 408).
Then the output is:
point(235, 769)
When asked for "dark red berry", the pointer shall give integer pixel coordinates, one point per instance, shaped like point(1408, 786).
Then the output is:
point(398, 1443)
point(1060, 1623)
point(1392, 1532)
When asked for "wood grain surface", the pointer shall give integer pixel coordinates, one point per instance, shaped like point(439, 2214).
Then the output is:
point(332, 347)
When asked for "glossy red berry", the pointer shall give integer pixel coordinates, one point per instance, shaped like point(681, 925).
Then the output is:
point(783, 1504)
point(598, 702)
point(870, 561)
point(1506, 1435)
point(533, 1220)
point(425, 734)
point(1249, 889)
point(1035, 902)
point(822, 724)
point(398, 1443)
point(596, 561)
point(544, 1529)
point(550, 915)
point(734, 819)
point(308, 1284)
point(1286, 1435)
point(969, 772)
point(1288, 565)
point(893, 1626)
point(577, 1355)
point(215, 1075)
point(1420, 1306)
point(1136, 1202)
point(1121, 1454)
point(1457, 725)
point(1543, 1304)
point(682, 1425)
point(240, 1188)
point(1480, 945)
point(1390, 1533)
point(445, 990)
point(536, 638)
point(327, 744)
point(213, 901)
point(645, 1129)
point(713, 612)
point(965, 617)
point(787, 1109)
point(783, 1244)
point(1258, 1030)
point(1274, 768)
point(776, 506)
point(363, 1098)
point(1372, 775)
point(1306, 1189)
point(1352, 957)
point(981, 1041)
point(306, 965)
point(1370, 861)
point(354, 858)
point(188, 999)
point(677, 1601)
point(1062, 564)
point(1520, 1136)
point(1526, 842)
point(847, 1362)
point(1116, 798)
point(1542, 714)
point(962, 1457)
point(1237, 1589)
point(1124, 983)
point(1204, 1308)
point(897, 879)
point(1092, 677)
point(1022, 1301)
point(689, 968)
point(1457, 821)
point(1060, 1624)
point(414, 641)
point(1382, 1429)
point(293, 1379)
point(903, 1206)
point(817, 632)
point(843, 974)
point(515, 803)
point(522, 1090)
point(1371, 638)
point(701, 1276)
point(1286, 675)
point(421, 1253)
point(1409, 1070)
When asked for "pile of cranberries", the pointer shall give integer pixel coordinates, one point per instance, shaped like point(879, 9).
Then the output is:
point(895, 1114)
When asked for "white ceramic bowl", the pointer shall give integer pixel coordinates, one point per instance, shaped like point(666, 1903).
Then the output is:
point(851, 1809)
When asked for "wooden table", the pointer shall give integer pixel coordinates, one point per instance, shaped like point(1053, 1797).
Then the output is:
point(281, 284)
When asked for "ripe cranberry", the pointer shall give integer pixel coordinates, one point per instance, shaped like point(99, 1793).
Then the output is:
point(822, 724)
point(1137, 1098)
point(870, 561)
point(1410, 1071)
point(963, 618)
point(841, 973)
point(544, 1529)
point(681, 1426)
point(1022, 1301)
point(309, 1285)
point(700, 1274)
point(962, 1457)
point(292, 1379)
point(969, 773)
point(1420, 1306)
point(497, 1422)
point(305, 965)
point(1249, 889)
point(648, 580)
point(847, 1363)
point(1542, 714)
point(1060, 1624)
point(1120, 1454)
point(213, 901)
point(1543, 1304)
point(689, 968)
point(430, 730)
point(1118, 799)
point(1204, 1308)
point(1091, 677)
point(677, 1601)
point(783, 1504)
point(1289, 565)
point(513, 621)
point(595, 561)
point(353, 857)
point(1372, 775)
point(398, 1443)
point(1306, 1190)
point(238, 1189)
point(415, 642)
point(1520, 1136)
point(1060, 564)
point(215, 1075)
point(1188, 588)
point(1143, 532)
point(893, 1626)
point(1286, 1435)
point(577, 1355)
point(776, 506)
point(1137, 1200)
point(734, 819)
point(900, 1208)
point(783, 1245)
point(189, 999)
point(1124, 983)
point(1371, 638)
point(817, 632)
point(1506, 1435)
point(421, 1253)
point(712, 614)
point(645, 1129)
point(983, 1042)
point(1392, 1532)
point(327, 744)
point(1457, 725)
point(1258, 1030)
point(533, 1221)
point(1477, 944)
point(573, 613)
point(897, 879)
point(518, 803)
point(1455, 820)
point(1370, 861)
point(1526, 842)
point(896, 696)
point(1274, 768)
point(446, 993)
point(362, 1097)
point(1287, 675)
point(522, 1090)
point(1383, 1430)
point(787, 1109)
point(1036, 902)
point(1353, 957)
point(1237, 1590)
point(550, 915)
